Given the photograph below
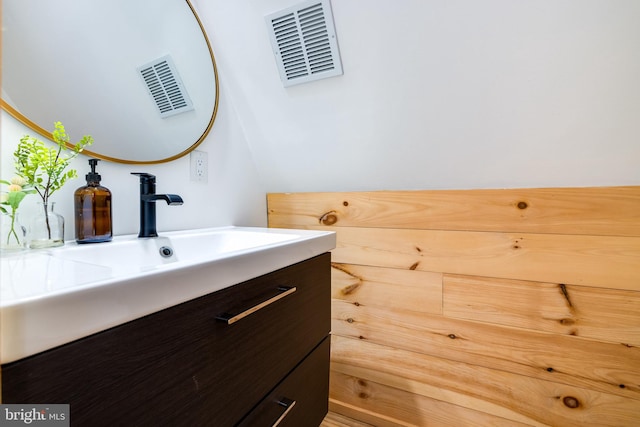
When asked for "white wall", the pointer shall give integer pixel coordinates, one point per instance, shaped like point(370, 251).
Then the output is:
point(234, 194)
point(443, 94)
point(436, 94)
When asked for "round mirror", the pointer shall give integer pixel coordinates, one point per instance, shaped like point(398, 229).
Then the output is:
point(137, 75)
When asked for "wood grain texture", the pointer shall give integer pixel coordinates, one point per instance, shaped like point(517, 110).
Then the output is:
point(374, 418)
point(611, 211)
point(304, 391)
point(532, 296)
point(406, 289)
point(606, 367)
point(503, 395)
point(601, 261)
point(384, 405)
point(336, 420)
point(604, 314)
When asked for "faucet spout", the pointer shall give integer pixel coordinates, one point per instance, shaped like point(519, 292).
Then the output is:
point(148, 197)
point(171, 199)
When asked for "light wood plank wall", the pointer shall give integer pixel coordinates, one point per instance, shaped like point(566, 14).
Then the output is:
point(516, 307)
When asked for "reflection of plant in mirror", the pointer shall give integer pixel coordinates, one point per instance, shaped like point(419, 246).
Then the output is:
point(16, 191)
point(43, 168)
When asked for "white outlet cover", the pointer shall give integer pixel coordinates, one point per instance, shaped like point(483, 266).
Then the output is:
point(199, 166)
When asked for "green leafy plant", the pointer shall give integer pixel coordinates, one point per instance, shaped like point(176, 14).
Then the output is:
point(44, 168)
point(17, 190)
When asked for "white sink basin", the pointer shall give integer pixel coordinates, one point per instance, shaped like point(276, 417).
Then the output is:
point(129, 255)
point(50, 297)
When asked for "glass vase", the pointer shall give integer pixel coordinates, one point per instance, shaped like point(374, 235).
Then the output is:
point(12, 234)
point(46, 228)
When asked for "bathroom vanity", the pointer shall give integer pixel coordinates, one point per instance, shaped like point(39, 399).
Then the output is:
point(253, 353)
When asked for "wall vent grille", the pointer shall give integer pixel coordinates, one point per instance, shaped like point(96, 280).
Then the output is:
point(165, 87)
point(304, 42)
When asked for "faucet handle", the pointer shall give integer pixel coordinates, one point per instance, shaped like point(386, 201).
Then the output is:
point(145, 177)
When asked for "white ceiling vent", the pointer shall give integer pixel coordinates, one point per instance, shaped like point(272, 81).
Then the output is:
point(165, 86)
point(304, 42)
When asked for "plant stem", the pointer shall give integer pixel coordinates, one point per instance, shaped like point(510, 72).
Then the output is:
point(13, 231)
point(46, 220)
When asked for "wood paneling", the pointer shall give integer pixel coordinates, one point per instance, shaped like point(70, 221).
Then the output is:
point(604, 314)
point(405, 289)
point(606, 367)
point(602, 261)
point(610, 211)
point(336, 420)
point(376, 380)
point(378, 400)
point(481, 307)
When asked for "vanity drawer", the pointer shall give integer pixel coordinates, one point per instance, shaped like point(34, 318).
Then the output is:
point(183, 365)
point(301, 400)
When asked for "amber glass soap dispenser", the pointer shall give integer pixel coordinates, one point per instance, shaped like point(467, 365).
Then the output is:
point(93, 209)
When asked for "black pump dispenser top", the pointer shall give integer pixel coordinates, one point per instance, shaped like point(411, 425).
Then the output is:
point(93, 176)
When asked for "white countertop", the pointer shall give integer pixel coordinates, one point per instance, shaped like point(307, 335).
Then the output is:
point(49, 297)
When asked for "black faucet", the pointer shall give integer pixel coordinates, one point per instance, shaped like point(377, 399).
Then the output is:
point(148, 199)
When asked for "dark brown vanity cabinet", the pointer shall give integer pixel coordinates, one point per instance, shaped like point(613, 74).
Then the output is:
point(254, 354)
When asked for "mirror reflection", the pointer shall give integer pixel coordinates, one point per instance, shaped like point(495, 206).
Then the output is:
point(119, 70)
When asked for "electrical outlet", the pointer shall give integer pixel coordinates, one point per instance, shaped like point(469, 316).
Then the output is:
point(199, 166)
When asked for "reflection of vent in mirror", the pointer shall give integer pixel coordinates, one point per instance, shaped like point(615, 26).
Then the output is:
point(304, 42)
point(165, 87)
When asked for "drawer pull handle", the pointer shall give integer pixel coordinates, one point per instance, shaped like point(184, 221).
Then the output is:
point(229, 319)
point(288, 404)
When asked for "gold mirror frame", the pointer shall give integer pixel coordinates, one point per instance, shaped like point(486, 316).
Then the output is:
point(43, 132)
